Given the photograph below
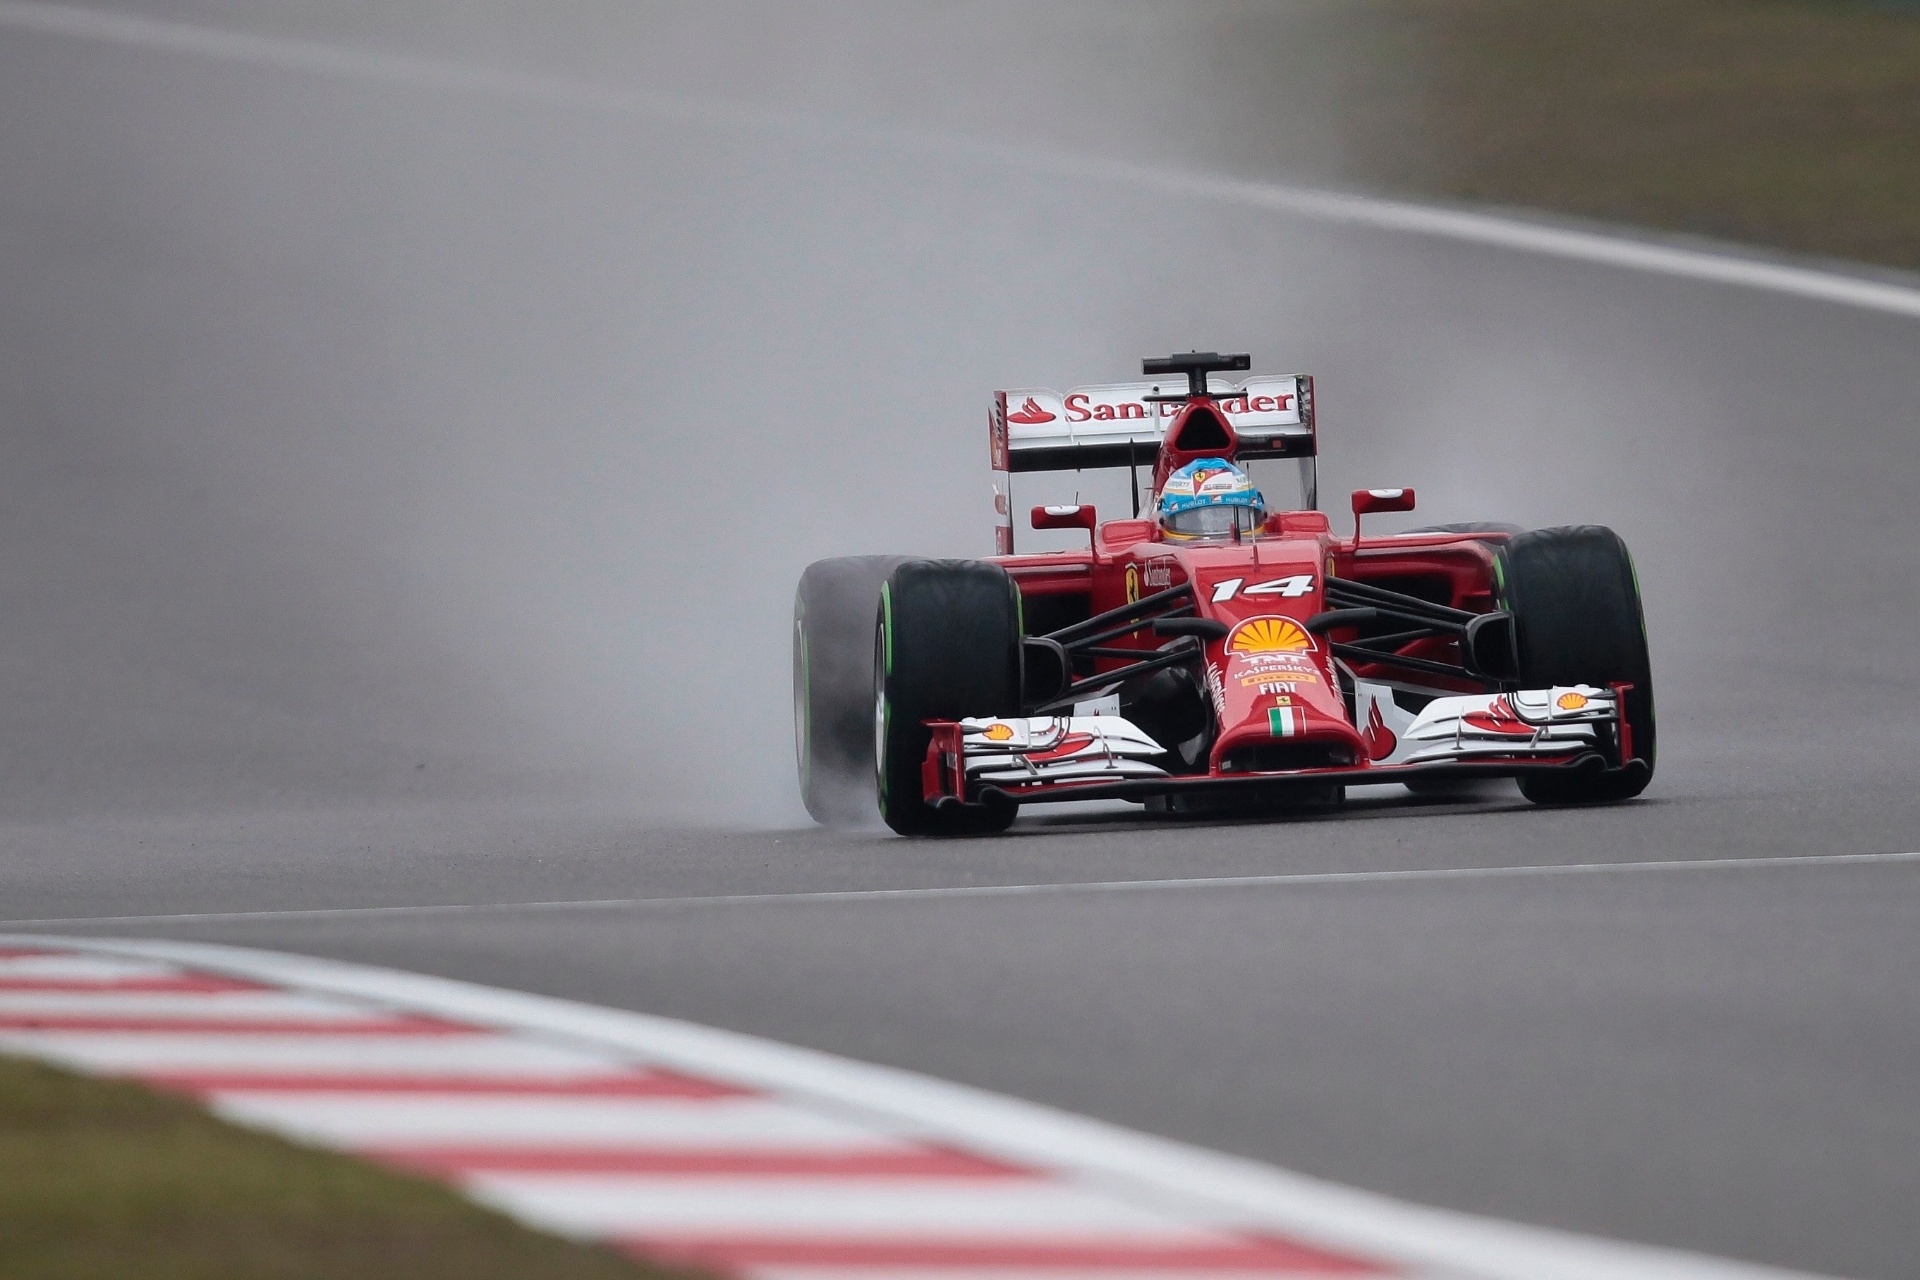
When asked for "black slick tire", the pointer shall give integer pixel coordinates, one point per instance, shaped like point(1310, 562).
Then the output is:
point(1577, 618)
point(946, 646)
point(833, 618)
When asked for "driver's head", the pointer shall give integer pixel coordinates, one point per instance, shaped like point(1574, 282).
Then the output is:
point(1209, 501)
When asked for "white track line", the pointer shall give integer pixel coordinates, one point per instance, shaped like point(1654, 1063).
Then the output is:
point(948, 1209)
point(1280, 880)
point(79, 969)
point(148, 1052)
point(678, 1124)
point(236, 1005)
point(1676, 257)
point(1086, 1172)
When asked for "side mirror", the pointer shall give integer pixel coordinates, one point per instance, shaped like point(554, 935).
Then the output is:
point(1073, 517)
point(1045, 670)
point(1490, 647)
point(1368, 501)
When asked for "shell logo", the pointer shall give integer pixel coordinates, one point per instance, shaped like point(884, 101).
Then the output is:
point(1571, 701)
point(999, 732)
point(1269, 635)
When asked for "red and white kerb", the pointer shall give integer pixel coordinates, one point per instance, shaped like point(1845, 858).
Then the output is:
point(580, 1139)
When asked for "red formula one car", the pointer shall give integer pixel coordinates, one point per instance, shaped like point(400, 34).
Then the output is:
point(1269, 665)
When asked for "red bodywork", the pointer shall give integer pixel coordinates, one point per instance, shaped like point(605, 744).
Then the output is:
point(1278, 702)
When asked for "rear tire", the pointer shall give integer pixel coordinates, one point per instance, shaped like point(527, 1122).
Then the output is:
point(946, 647)
point(833, 613)
point(1577, 619)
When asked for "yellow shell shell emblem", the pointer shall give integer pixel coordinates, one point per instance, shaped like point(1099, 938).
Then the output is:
point(999, 732)
point(1571, 701)
point(1269, 635)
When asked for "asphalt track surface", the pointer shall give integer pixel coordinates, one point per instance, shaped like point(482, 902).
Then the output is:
point(283, 640)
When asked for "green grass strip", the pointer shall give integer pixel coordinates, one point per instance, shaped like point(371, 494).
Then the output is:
point(105, 1180)
point(1793, 123)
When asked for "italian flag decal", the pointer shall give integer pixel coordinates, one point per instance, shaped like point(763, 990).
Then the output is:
point(1283, 722)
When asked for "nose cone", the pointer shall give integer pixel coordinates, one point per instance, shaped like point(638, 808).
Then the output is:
point(1276, 697)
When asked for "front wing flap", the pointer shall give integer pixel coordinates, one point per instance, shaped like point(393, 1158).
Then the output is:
point(1527, 724)
point(1054, 758)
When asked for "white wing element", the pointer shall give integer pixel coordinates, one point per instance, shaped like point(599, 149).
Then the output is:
point(1057, 749)
point(1038, 418)
point(1531, 722)
point(1559, 721)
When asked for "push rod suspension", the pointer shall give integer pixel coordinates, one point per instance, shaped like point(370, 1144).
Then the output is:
point(1426, 622)
point(1170, 658)
point(1346, 590)
point(1085, 643)
point(1076, 633)
point(1385, 643)
point(1355, 653)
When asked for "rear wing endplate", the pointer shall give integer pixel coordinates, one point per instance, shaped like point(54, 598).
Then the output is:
point(1119, 425)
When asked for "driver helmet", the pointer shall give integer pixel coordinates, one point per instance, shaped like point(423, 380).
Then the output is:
point(1210, 500)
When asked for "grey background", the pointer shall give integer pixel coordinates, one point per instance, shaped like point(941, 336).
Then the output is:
point(404, 478)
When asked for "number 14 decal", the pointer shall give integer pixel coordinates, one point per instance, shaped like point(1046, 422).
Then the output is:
point(1298, 585)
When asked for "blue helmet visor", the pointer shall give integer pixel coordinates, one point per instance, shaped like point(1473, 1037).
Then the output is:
point(1220, 521)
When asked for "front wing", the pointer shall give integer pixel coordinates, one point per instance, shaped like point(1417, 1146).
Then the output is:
point(1048, 759)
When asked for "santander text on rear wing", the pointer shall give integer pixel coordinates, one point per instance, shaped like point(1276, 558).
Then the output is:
point(1119, 425)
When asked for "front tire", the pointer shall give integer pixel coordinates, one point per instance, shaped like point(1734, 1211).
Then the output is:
point(833, 613)
point(1575, 602)
point(946, 647)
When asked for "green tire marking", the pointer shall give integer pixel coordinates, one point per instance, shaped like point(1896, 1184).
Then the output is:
point(886, 703)
point(886, 622)
point(806, 708)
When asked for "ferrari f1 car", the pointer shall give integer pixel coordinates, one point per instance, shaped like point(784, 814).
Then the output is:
point(1267, 665)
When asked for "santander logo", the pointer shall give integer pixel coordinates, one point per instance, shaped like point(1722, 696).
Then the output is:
point(1261, 404)
point(1030, 414)
point(1081, 408)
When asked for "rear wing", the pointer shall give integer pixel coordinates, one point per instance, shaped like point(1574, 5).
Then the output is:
point(1121, 424)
